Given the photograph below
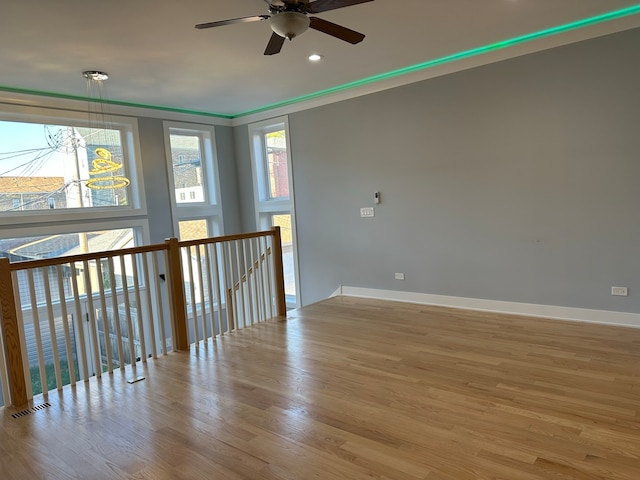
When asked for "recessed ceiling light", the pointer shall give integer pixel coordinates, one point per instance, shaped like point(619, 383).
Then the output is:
point(315, 57)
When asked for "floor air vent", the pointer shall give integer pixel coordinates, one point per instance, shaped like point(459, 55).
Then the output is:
point(24, 413)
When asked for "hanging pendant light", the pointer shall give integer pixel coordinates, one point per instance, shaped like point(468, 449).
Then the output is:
point(104, 162)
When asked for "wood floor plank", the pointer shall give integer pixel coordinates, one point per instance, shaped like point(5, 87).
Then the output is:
point(350, 389)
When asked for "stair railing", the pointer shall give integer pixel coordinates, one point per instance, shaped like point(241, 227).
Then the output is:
point(66, 319)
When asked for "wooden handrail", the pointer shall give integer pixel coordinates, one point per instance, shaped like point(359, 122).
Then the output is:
point(11, 332)
point(226, 238)
point(50, 262)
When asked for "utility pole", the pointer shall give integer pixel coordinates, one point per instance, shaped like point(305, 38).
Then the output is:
point(82, 237)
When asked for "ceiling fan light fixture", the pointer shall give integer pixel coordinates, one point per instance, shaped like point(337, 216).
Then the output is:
point(289, 24)
point(95, 75)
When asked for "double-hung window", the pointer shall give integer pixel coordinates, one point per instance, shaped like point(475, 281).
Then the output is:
point(273, 192)
point(193, 174)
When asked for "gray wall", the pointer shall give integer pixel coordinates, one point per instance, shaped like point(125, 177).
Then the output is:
point(516, 181)
point(156, 180)
point(228, 180)
point(245, 179)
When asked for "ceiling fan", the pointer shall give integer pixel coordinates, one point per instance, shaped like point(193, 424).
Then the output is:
point(290, 18)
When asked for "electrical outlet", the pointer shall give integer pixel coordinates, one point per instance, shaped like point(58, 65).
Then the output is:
point(399, 276)
point(620, 291)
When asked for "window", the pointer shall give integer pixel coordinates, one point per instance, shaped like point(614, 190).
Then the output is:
point(58, 164)
point(193, 172)
point(193, 229)
point(273, 191)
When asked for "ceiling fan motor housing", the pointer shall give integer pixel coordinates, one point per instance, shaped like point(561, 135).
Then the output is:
point(289, 24)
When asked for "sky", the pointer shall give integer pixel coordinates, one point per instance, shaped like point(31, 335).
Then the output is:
point(35, 149)
point(26, 144)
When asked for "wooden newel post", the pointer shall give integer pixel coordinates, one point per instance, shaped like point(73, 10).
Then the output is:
point(176, 289)
point(10, 328)
point(281, 300)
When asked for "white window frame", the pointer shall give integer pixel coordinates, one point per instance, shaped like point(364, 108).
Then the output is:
point(211, 208)
point(265, 207)
point(132, 158)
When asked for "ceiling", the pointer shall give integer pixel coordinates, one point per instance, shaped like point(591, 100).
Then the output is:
point(155, 56)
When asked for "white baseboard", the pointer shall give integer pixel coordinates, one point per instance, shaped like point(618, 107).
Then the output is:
point(604, 317)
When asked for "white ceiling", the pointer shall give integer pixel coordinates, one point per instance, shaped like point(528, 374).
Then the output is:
point(156, 57)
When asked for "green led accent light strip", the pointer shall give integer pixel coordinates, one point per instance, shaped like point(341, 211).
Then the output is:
point(616, 14)
point(115, 102)
point(625, 12)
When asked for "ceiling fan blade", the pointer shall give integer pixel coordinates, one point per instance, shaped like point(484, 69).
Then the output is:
point(255, 18)
point(275, 44)
point(335, 30)
point(325, 5)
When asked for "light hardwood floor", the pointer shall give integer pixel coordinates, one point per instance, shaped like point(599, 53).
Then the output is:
point(354, 389)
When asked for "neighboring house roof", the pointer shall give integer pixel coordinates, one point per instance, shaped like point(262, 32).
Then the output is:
point(105, 241)
point(69, 244)
point(30, 184)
